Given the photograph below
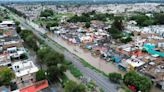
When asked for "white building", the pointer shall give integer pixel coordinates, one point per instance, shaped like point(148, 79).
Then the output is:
point(24, 71)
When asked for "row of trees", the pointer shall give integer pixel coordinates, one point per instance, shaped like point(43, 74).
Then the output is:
point(47, 13)
point(53, 23)
point(116, 28)
point(140, 83)
point(29, 38)
point(144, 20)
point(53, 60)
point(16, 11)
point(50, 20)
point(87, 17)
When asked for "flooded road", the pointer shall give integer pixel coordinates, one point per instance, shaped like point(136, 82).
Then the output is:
point(86, 55)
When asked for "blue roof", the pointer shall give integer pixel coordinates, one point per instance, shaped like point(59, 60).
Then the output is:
point(149, 48)
point(116, 59)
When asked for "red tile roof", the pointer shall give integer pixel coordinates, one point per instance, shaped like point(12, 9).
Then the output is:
point(36, 87)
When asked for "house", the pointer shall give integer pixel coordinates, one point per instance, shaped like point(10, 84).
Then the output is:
point(15, 52)
point(160, 44)
point(135, 62)
point(8, 23)
point(154, 70)
point(25, 72)
point(5, 60)
point(35, 87)
point(160, 84)
point(38, 86)
point(150, 49)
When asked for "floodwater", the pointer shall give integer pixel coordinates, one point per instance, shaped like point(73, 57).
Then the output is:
point(155, 89)
point(94, 61)
point(86, 55)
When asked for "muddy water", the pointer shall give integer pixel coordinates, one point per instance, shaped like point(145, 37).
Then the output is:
point(155, 89)
point(94, 61)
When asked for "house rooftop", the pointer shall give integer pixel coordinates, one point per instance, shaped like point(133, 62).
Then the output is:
point(154, 70)
point(22, 68)
point(7, 22)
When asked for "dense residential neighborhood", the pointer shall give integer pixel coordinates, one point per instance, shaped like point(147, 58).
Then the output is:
point(17, 68)
point(82, 47)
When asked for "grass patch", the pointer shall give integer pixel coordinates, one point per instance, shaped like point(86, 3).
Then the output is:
point(86, 64)
point(64, 80)
point(75, 71)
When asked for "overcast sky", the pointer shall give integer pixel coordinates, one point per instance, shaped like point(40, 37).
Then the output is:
point(81, 0)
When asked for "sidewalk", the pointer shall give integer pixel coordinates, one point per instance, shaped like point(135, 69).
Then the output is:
point(71, 77)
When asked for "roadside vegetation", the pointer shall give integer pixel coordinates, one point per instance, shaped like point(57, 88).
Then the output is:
point(75, 71)
point(49, 18)
point(53, 60)
point(132, 80)
point(72, 86)
point(53, 64)
point(16, 11)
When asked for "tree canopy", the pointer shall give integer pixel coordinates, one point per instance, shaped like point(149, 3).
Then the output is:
point(54, 61)
point(72, 86)
point(87, 17)
point(159, 17)
point(29, 38)
point(141, 83)
point(6, 75)
point(46, 13)
point(115, 77)
point(118, 23)
point(16, 11)
point(40, 75)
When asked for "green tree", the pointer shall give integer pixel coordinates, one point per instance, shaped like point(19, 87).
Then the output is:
point(115, 77)
point(1, 19)
point(6, 75)
point(118, 24)
point(142, 83)
point(53, 73)
point(18, 29)
point(17, 23)
point(159, 17)
point(72, 86)
point(30, 39)
point(40, 75)
point(143, 20)
point(126, 40)
point(115, 33)
point(46, 13)
point(53, 58)
point(41, 54)
point(87, 24)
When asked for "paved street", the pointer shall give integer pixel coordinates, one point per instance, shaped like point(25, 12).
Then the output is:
point(101, 80)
